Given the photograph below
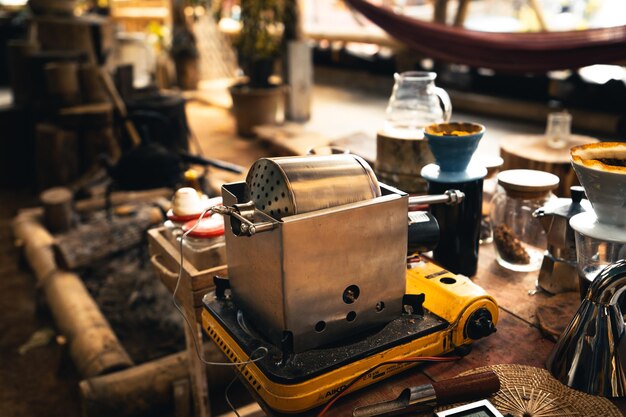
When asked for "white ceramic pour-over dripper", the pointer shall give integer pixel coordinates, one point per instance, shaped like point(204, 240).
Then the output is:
point(604, 184)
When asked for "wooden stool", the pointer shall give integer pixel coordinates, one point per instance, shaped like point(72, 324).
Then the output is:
point(532, 152)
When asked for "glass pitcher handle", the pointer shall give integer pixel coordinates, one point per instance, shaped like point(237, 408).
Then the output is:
point(446, 104)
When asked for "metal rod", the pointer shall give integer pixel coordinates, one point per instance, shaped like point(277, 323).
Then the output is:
point(449, 197)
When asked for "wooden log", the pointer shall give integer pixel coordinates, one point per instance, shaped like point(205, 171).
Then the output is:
point(146, 388)
point(36, 243)
point(94, 126)
point(94, 348)
point(86, 116)
point(90, 242)
point(123, 197)
point(532, 152)
point(56, 154)
point(62, 82)
point(91, 88)
point(58, 211)
point(399, 161)
point(89, 35)
point(37, 61)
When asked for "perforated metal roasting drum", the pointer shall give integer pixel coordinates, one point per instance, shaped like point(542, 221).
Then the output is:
point(283, 187)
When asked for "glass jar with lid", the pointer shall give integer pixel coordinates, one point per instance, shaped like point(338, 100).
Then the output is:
point(187, 205)
point(204, 243)
point(519, 238)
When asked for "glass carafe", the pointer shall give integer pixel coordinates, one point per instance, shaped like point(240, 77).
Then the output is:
point(401, 149)
point(415, 103)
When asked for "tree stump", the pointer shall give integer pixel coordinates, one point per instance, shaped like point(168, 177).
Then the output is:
point(532, 152)
point(58, 211)
point(399, 161)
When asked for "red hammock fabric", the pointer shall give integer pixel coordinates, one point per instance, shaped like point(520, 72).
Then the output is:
point(510, 52)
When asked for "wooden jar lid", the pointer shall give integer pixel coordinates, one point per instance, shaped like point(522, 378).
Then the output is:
point(527, 181)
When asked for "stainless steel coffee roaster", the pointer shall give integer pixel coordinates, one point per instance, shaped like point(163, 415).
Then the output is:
point(317, 247)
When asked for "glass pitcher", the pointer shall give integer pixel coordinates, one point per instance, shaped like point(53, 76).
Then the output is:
point(415, 103)
point(401, 150)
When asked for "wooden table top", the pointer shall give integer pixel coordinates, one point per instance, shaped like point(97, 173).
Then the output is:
point(518, 340)
point(535, 147)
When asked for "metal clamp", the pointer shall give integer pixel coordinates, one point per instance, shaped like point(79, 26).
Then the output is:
point(240, 219)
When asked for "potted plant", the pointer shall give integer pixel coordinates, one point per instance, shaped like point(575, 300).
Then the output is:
point(259, 44)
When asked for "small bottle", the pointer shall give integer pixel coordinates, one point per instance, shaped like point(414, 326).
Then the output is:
point(204, 244)
point(519, 238)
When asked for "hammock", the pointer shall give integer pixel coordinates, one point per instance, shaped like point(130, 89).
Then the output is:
point(510, 52)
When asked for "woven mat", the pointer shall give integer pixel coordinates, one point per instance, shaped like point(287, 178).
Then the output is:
point(527, 391)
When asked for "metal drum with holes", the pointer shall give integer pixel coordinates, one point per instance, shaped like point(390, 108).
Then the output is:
point(332, 265)
point(282, 187)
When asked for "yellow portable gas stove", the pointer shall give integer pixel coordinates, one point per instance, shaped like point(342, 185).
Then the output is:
point(319, 281)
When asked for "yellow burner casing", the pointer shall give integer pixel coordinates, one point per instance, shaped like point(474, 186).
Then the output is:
point(451, 297)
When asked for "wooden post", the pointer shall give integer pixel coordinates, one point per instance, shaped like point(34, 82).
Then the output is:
point(461, 13)
point(56, 155)
point(300, 80)
point(58, 211)
point(298, 66)
point(441, 11)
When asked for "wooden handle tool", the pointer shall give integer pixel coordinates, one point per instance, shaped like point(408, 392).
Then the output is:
point(449, 391)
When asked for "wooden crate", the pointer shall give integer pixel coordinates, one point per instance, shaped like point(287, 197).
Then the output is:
point(194, 284)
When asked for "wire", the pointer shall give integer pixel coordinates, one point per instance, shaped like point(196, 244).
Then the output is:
point(410, 359)
point(232, 407)
point(265, 351)
point(182, 313)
